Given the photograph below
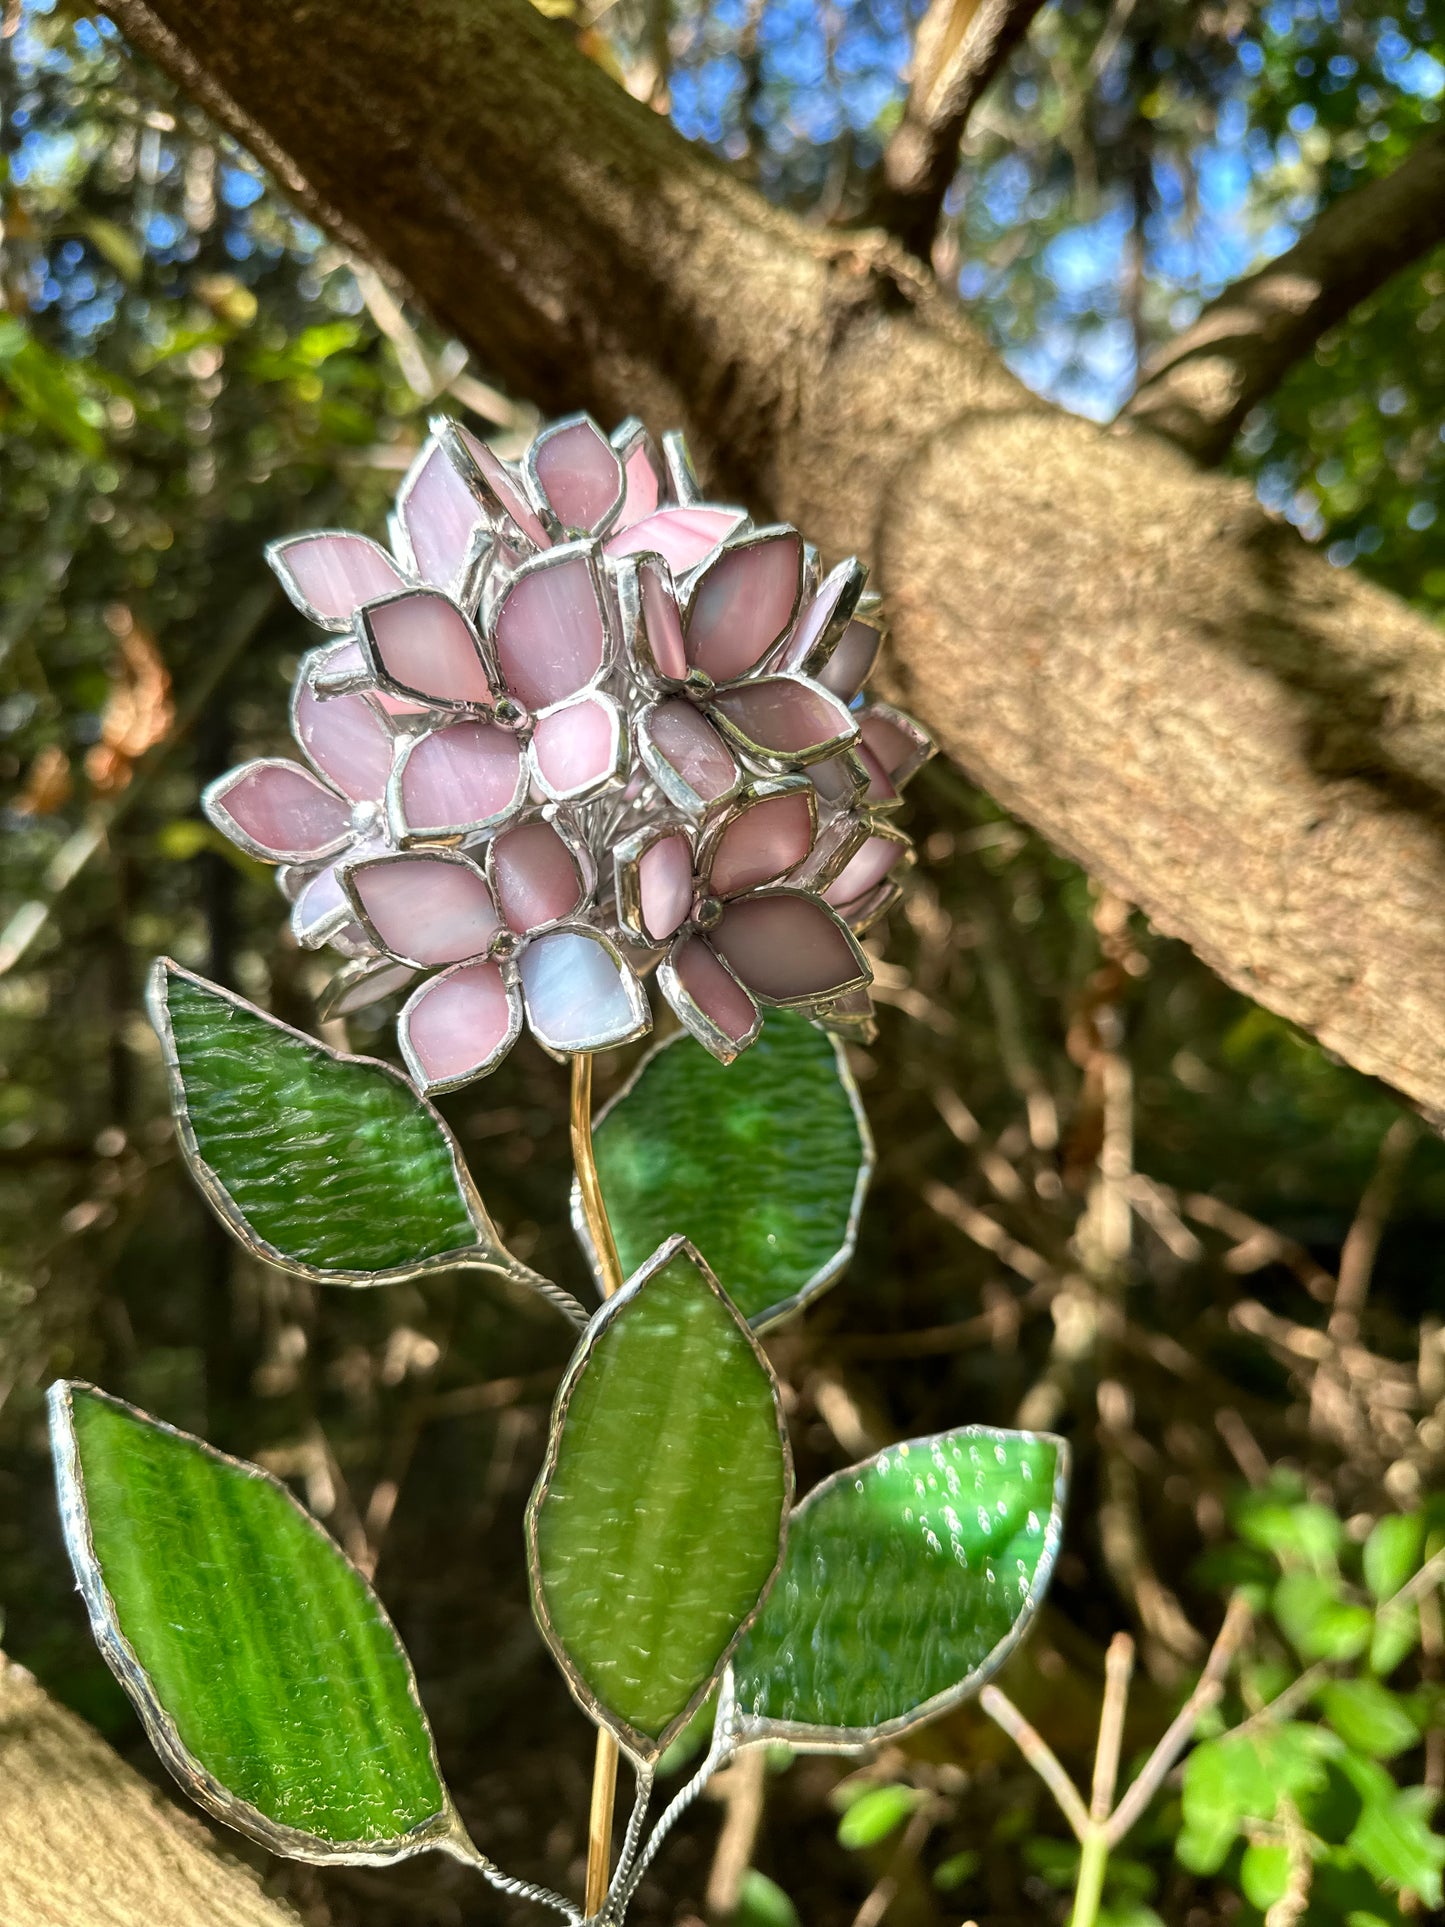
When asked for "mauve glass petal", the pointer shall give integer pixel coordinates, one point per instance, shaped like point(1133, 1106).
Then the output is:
point(844, 581)
point(549, 632)
point(717, 995)
point(575, 746)
point(365, 989)
point(864, 870)
point(426, 909)
point(458, 777)
point(425, 643)
point(498, 480)
point(880, 784)
point(283, 810)
point(785, 717)
point(889, 744)
point(578, 994)
point(786, 948)
point(767, 840)
point(579, 473)
point(742, 604)
point(851, 663)
point(335, 574)
point(318, 909)
point(681, 536)
point(441, 516)
point(664, 885)
point(346, 740)
point(458, 1024)
point(694, 749)
point(662, 621)
point(536, 876)
point(643, 491)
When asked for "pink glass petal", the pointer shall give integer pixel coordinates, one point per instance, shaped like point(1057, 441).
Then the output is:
point(694, 749)
point(643, 490)
point(880, 784)
point(717, 995)
point(664, 885)
point(550, 633)
point(864, 870)
point(368, 987)
point(819, 612)
point(743, 603)
point(851, 663)
point(441, 516)
point(576, 746)
point(767, 840)
point(459, 777)
point(663, 622)
point(283, 810)
point(498, 480)
point(892, 745)
point(427, 909)
point(785, 717)
point(346, 740)
point(536, 876)
point(335, 574)
point(458, 1024)
point(425, 643)
point(579, 997)
point(786, 947)
point(681, 536)
point(579, 472)
point(319, 909)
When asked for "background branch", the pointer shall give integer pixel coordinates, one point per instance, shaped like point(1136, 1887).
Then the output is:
point(1200, 387)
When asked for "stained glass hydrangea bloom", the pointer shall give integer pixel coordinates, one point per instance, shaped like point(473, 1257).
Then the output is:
point(575, 725)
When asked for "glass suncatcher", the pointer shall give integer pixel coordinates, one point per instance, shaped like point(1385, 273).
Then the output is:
point(578, 727)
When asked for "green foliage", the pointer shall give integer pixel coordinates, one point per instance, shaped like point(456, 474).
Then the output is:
point(875, 1813)
point(762, 1903)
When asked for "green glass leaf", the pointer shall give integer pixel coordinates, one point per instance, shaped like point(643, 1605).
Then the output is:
point(268, 1677)
point(908, 1580)
point(657, 1523)
point(761, 1163)
point(329, 1166)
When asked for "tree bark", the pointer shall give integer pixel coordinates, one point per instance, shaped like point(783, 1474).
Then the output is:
point(1133, 656)
point(85, 1842)
point(1200, 386)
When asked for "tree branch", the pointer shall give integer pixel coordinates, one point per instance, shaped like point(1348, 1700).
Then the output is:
point(1200, 387)
point(1226, 731)
point(959, 49)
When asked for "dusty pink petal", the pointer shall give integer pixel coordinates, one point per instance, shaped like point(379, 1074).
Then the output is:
point(786, 948)
point(281, 809)
point(681, 536)
point(579, 473)
point(549, 632)
point(838, 589)
point(864, 871)
point(536, 876)
point(887, 741)
point(717, 995)
point(851, 663)
point(346, 740)
point(643, 490)
point(425, 644)
point(368, 986)
point(664, 885)
point(742, 604)
point(579, 995)
point(880, 784)
point(427, 910)
point(320, 908)
point(459, 777)
point(694, 749)
point(662, 621)
point(765, 841)
point(458, 1024)
point(334, 575)
point(441, 516)
point(784, 716)
point(576, 746)
point(497, 480)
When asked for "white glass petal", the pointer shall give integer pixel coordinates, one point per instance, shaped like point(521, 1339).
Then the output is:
point(580, 996)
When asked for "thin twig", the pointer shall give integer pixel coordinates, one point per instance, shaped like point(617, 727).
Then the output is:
point(742, 1788)
point(1040, 1756)
point(1118, 1670)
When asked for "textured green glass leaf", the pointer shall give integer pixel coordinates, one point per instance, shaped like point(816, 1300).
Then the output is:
point(270, 1680)
point(908, 1579)
point(658, 1520)
point(761, 1163)
point(329, 1166)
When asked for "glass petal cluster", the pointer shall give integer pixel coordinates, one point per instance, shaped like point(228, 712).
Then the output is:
point(576, 726)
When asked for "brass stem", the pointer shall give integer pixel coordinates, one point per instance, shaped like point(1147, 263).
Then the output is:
point(599, 1229)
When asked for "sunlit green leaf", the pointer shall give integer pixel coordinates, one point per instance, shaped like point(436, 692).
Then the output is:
point(1264, 1872)
point(1369, 1716)
point(1317, 1620)
point(875, 1814)
point(761, 1163)
point(657, 1522)
point(1392, 1552)
point(762, 1903)
point(908, 1579)
point(270, 1680)
point(1294, 1531)
point(1394, 1840)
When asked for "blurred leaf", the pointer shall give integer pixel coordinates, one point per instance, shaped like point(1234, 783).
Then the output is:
point(657, 1521)
point(762, 1903)
point(761, 1163)
point(114, 244)
point(1264, 1873)
point(1394, 1840)
point(957, 1870)
point(1239, 1778)
point(268, 1677)
point(1302, 1532)
point(49, 387)
point(879, 1811)
point(1369, 1716)
point(1392, 1552)
point(1318, 1622)
point(1396, 1635)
